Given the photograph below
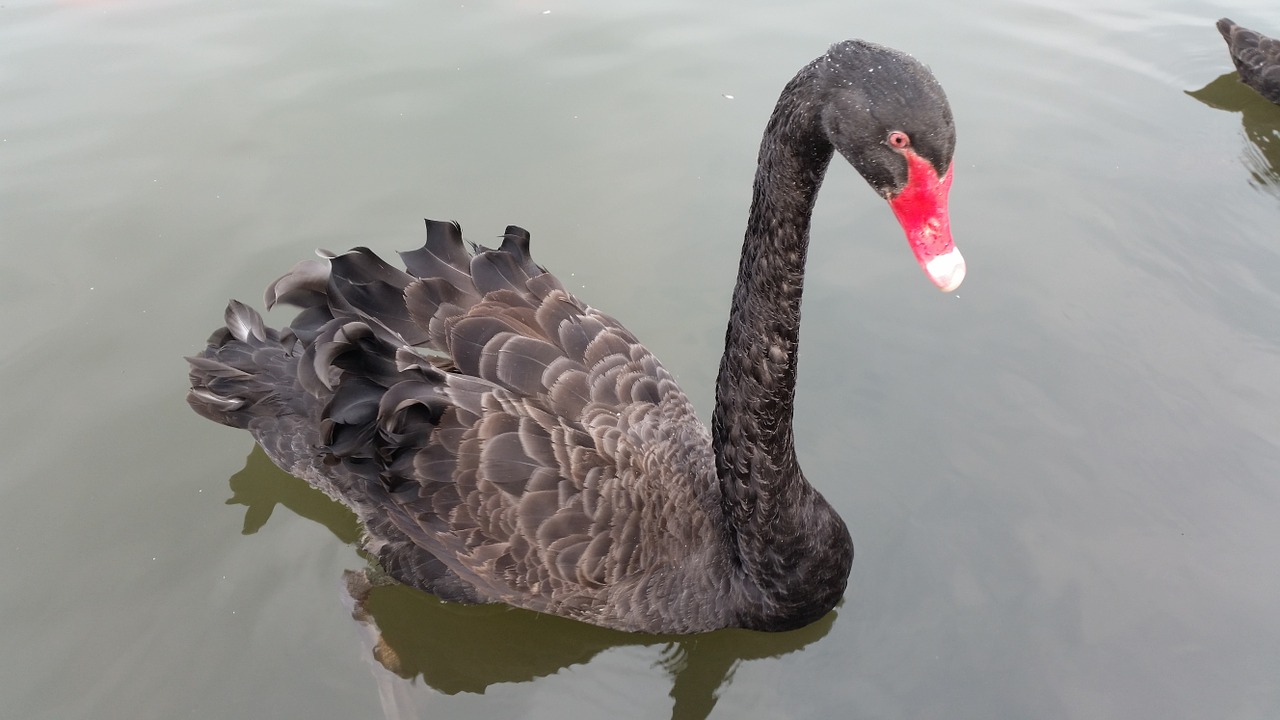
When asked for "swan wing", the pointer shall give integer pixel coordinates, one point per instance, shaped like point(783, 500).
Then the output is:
point(493, 429)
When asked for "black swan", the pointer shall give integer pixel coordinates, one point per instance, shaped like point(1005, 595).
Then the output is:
point(501, 441)
point(1256, 56)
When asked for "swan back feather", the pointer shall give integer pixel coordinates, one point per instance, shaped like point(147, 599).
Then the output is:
point(501, 440)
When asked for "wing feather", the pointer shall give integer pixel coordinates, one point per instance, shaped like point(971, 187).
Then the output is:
point(501, 440)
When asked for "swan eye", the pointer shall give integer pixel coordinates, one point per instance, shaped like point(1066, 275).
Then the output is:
point(898, 140)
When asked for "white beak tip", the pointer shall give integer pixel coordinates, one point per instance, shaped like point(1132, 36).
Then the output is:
point(946, 270)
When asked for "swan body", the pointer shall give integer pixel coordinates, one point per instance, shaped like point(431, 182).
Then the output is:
point(502, 441)
point(1256, 57)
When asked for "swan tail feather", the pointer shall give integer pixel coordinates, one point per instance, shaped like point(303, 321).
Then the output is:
point(242, 371)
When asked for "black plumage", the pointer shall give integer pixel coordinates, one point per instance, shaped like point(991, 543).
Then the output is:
point(1256, 57)
point(501, 441)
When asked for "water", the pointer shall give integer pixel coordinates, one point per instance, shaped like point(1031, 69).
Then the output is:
point(1061, 480)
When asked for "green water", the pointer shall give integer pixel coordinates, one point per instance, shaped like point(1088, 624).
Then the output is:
point(1061, 480)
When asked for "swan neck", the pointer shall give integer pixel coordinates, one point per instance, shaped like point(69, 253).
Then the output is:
point(755, 390)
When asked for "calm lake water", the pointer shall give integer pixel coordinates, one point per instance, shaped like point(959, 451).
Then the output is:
point(1063, 481)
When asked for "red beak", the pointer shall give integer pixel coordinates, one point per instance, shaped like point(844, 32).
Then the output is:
point(921, 209)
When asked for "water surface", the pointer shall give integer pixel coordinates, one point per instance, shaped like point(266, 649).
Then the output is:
point(1061, 480)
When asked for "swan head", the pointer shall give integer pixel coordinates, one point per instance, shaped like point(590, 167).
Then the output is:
point(887, 115)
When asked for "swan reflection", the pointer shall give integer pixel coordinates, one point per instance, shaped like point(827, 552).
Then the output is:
point(1261, 120)
point(457, 648)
